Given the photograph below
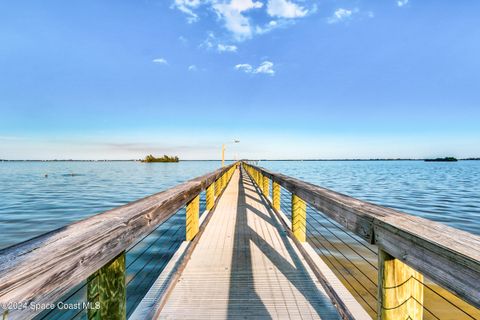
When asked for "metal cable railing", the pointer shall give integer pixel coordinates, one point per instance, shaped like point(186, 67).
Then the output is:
point(320, 231)
point(355, 263)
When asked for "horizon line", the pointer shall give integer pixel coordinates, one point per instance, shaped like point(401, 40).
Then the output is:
point(319, 159)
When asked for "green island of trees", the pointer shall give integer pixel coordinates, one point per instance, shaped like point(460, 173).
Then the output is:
point(446, 159)
point(165, 158)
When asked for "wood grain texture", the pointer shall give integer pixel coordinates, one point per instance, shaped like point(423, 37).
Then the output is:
point(448, 256)
point(400, 294)
point(43, 269)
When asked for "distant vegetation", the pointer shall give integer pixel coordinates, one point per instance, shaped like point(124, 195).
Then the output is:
point(446, 159)
point(165, 158)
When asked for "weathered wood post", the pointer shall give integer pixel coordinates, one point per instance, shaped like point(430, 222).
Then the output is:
point(299, 218)
point(106, 291)
point(400, 296)
point(276, 196)
point(210, 196)
point(193, 213)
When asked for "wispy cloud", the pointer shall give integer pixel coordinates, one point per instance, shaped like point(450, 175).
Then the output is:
point(211, 42)
point(402, 3)
point(241, 17)
point(226, 48)
point(285, 9)
point(341, 14)
point(266, 67)
point(188, 7)
point(346, 15)
point(245, 67)
point(192, 68)
point(160, 61)
point(234, 18)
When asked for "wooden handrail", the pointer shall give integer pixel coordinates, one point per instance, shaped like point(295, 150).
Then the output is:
point(448, 256)
point(41, 270)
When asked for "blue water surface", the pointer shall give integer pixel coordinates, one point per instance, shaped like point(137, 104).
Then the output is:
point(31, 204)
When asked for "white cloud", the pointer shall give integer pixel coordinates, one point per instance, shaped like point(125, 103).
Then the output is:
point(265, 67)
point(402, 3)
point(187, 7)
point(232, 14)
point(244, 67)
point(160, 61)
point(341, 15)
point(241, 17)
point(226, 48)
point(192, 68)
point(285, 9)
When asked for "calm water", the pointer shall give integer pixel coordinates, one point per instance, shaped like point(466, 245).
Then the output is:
point(31, 204)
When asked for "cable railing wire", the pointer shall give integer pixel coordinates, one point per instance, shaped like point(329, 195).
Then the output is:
point(286, 207)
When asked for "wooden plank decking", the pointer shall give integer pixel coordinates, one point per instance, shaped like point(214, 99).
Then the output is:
point(246, 267)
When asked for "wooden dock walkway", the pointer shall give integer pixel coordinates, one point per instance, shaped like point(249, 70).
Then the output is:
point(246, 267)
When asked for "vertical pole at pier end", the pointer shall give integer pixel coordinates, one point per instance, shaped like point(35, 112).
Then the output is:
point(299, 218)
point(276, 196)
point(193, 213)
point(106, 291)
point(266, 186)
point(210, 196)
point(400, 290)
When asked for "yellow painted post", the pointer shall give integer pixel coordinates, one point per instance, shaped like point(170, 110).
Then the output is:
point(400, 296)
point(193, 213)
point(218, 187)
point(107, 291)
point(210, 196)
point(266, 186)
point(276, 196)
point(299, 218)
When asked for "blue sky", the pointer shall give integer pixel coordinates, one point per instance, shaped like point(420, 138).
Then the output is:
point(118, 79)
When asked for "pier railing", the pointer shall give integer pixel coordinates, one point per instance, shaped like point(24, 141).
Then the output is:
point(35, 274)
point(406, 247)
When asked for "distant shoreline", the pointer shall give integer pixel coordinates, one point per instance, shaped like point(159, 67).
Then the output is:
point(310, 160)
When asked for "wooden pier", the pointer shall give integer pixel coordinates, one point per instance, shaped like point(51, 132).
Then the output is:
point(245, 257)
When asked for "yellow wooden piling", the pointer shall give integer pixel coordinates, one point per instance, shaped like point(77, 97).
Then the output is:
point(299, 218)
point(400, 290)
point(217, 187)
point(266, 186)
point(193, 214)
point(210, 196)
point(276, 196)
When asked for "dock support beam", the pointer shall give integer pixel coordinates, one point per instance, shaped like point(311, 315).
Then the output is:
point(193, 213)
point(299, 218)
point(210, 196)
point(400, 296)
point(106, 291)
point(276, 196)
